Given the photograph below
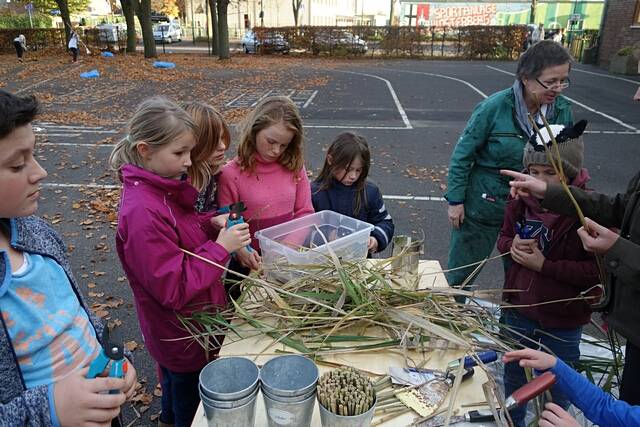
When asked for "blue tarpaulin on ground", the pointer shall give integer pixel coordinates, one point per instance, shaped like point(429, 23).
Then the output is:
point(90, 74)
point(161, 64)
point(107, 54)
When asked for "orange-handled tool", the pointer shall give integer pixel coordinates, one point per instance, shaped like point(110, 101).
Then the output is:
point(532, 389)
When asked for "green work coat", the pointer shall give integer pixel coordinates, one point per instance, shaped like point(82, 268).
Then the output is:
point(492, 140)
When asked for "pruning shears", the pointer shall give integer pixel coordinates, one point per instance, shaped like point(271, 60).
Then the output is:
point(524, 230)
point(488, 356)
point(531, 390)
point(478, 416)
point(110, 353)
point(235, 216)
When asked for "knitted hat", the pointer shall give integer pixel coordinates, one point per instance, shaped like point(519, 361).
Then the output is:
point(570, 146)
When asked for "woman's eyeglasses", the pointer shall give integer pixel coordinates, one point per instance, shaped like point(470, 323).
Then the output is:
point(557, 85)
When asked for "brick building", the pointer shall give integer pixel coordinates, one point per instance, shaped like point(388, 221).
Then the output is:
point(621, 28)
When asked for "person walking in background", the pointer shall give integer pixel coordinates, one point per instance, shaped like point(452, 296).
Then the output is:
point(494, 139)
point(20, 43)
point(73, 45)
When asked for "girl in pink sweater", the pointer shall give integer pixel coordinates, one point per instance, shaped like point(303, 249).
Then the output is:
point(268, 174)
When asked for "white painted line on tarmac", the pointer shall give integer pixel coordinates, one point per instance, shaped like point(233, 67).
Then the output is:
point(235, 99)
point(586, 107)
point(416, 198)
point(74, 144)
point(99, 186)
point(607, 76)
point(113, 187)
point(403, 114)
point(44, 81)
point(614, 132)
point(357, 127)
point(53, 125)
point(481, 93)
point(313, 95)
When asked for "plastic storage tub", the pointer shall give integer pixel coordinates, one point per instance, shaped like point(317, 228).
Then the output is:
point(288, 247)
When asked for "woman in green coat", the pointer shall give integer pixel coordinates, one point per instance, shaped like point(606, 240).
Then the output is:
point(494, 139)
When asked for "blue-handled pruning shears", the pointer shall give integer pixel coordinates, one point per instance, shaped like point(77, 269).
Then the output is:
point(235, 216)
point(109, 353)
point(524, 230)
point(469, 362)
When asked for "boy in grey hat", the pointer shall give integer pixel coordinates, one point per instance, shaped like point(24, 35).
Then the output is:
point(550, 277)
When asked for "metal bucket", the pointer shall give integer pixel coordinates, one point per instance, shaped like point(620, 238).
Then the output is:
point(237, 416)
point(229, 379)
point(411, 248)
point(292, 414)
point(289, 388)
point(329, 419)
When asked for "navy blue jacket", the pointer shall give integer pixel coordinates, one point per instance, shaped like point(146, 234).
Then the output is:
point(341, 198)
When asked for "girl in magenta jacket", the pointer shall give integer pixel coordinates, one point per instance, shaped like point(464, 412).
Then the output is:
point(268, 174)
point(156, 220)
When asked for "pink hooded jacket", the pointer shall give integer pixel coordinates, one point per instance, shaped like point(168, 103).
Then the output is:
point(156, 219)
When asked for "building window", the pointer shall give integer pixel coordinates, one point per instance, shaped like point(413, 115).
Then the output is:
point(636, 14)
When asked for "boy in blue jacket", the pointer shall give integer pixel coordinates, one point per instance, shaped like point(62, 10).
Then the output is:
point(599, 407)
point(48, 336)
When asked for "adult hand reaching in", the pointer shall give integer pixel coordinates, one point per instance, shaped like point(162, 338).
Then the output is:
point(596, 238)
point(525, 185)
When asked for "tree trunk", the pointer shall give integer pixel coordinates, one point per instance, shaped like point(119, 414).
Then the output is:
point(143, 11)
point(129, 16)
point(296, 10)
point(215, 46)
point(223, 30)
point(63, 6)
point(532, 15)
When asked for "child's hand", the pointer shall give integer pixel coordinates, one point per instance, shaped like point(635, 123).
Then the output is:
point(533, 260)
point(248, 259)
point(235, 237)
point(554, 416)
point(530, 358)
point(219, 221)
point(130, 380)
point(373, 244)
point(79, 402)
point(525, 245)
point(598, 239)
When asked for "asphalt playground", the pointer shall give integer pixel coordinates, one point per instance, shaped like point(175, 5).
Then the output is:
point(410, 111)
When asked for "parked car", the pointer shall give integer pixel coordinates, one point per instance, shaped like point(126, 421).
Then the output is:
point(339, 40)
point(271, 42)
point(167, 32)
point(110, 33)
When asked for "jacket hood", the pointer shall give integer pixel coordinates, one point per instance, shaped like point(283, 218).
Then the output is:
point(181, 190)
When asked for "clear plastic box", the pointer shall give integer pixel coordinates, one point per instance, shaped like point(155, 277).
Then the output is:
point(288, 247)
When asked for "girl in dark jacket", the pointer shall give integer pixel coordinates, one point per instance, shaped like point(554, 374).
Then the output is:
point(342, 187)
point(550, 278)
